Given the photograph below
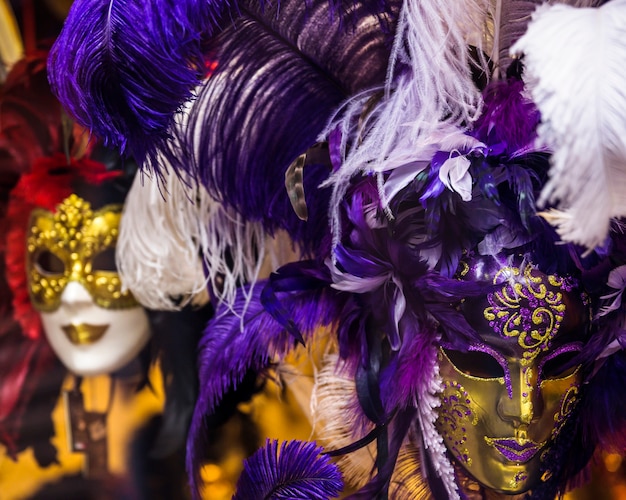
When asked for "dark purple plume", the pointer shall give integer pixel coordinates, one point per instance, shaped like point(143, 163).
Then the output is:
point(603, 411)
point(407, 371)
point(509, 118)
point(123, 68)
point(283, 68)
point(295, 470)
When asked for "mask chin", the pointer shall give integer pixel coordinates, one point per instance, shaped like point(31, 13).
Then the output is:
point(90, 340)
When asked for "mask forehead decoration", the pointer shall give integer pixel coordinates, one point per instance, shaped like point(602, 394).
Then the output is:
point(75, 244)
point(528, 307)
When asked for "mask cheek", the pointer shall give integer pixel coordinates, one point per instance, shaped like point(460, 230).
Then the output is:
point(457, 421)
point(467, 408)
point(560, 397)
point(126, 334)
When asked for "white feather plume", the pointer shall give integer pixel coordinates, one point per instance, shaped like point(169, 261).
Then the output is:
point(576, 73)
point(427, 403)
point(429, 83)
point(174, 239)
point(157, 260)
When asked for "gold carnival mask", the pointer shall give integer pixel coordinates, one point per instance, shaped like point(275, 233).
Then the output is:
point(505, 399)
point(75, 244)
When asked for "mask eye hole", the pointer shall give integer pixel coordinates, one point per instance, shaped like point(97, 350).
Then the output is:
point(104, 261)
point(475, 364)
point(559, 366)
point(48, 263)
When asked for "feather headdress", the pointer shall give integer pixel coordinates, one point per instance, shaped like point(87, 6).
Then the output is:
point(424, 167)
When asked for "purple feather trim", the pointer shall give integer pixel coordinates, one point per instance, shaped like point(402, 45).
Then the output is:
point(295, 470)
point(123, 68)
point(232, 346)
point(508, 118)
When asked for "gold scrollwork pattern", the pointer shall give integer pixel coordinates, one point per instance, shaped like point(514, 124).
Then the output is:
point(526, 308)
point(568, 403)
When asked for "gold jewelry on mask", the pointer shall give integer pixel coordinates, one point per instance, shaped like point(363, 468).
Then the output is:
point(75, 244)
point(84, 333)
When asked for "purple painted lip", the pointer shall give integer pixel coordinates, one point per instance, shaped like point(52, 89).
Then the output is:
point(513, 449)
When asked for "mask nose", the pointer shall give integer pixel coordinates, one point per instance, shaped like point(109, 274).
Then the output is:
point(75, 294)
point(523, 404)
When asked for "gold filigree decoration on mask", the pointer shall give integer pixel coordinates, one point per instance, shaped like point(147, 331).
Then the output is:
point(454, 415)
point(526, 308)
point(63, 246)
point(568, 403)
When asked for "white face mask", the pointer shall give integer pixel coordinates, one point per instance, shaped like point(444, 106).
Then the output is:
point(92, 323)
point(91, 340)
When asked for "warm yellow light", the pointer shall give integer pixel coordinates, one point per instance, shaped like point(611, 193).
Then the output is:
point(612, 462)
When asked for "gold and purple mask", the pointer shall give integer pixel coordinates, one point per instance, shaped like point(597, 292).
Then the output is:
point(75, 244)
point(505, 399)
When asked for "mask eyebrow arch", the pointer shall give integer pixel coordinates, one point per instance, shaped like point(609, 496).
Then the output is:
point(571, 347)
point(500, 359)
point(484, 348)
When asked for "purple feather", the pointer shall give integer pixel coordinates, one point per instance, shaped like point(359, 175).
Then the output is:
point(508, 117)
point(123, 68)
point(405, 374)
point(281, 73)
point(225, 355)
point(295, 470)
point(232, 346)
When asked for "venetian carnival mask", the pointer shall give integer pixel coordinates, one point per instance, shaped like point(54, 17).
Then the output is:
point(506, 399)
point(93, 325)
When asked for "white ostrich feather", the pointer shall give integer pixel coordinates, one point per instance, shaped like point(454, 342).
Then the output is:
point(174, 239)
point(574, 69)
point(429, 83)
point(156, 259)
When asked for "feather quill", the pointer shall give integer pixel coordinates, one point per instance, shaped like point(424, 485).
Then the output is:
point(123, 68)
point(575, 72)
point(295, 470)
